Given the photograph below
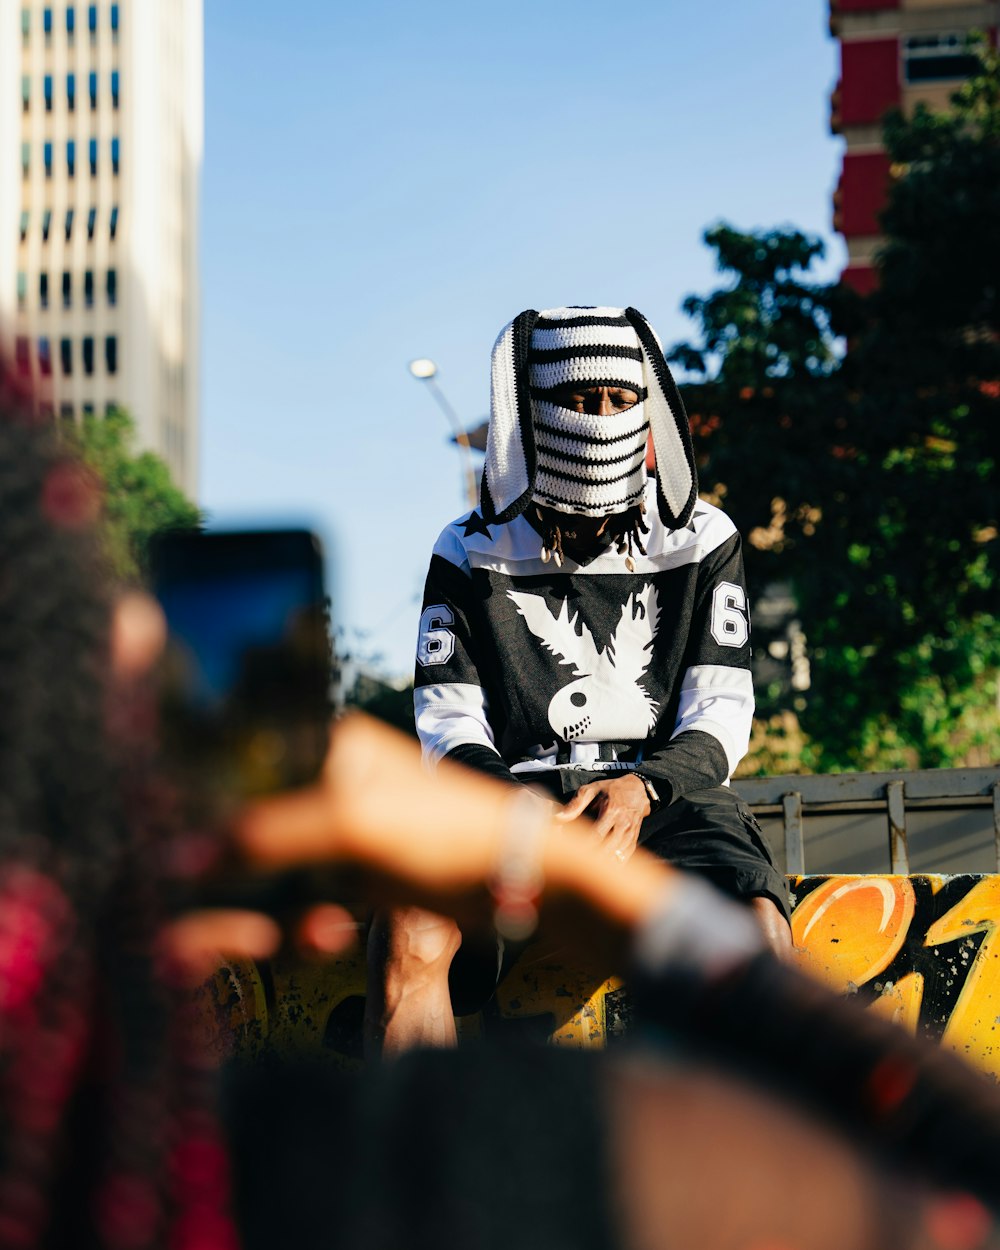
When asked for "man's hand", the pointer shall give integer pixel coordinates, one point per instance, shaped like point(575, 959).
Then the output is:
point(619, 806)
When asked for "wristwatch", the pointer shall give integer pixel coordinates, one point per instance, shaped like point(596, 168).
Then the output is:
point(654, 798)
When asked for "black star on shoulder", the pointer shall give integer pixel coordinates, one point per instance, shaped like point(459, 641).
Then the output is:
point(474, 524)
point(694, 517)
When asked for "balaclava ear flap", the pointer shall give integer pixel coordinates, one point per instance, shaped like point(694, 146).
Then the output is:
point(676, 475)
point(509, 471)
point(538, 449)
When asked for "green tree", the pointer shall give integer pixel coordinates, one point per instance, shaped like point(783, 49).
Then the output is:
point(140, 496)
point(868, 479)
point(769, 358)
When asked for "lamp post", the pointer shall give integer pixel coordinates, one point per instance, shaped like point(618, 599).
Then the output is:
point(425, 371)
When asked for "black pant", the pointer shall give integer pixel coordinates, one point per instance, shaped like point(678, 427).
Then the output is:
point(709, 832)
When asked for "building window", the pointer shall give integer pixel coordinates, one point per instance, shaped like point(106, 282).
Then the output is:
point(114, 88)
point(71, 157)
point(69, 224)
point(111, 353)
point(70, 24)
point(931, 58)
point(47, 25)
point(92, 85)
point(47, 92)
point(25, 159)
point(66, 357)
point(112, 287)
point(67, 289)
point(44, 357)
point(22, 354)
point(114, 22)
point(47, 150)
point(25, 223)
point(71, 92)
point(110, 407)
point(22, 290)
point(25, 26)
point(43, 290)
point(87, 351)
point(66, 412)
point(93, 158)
point(114, 221)
point(87, 410)
point(92, 21)
point(46, 224)
point(88, 289)
point(91, 223)
point(115, 156)
point(25, 92)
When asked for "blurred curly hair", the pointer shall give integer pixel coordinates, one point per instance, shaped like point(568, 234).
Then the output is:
point(106, 1137)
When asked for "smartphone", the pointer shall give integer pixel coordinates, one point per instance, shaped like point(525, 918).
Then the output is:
point(246, 684)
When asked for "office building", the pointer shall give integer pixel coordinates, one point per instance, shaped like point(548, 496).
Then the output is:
point(101, 133)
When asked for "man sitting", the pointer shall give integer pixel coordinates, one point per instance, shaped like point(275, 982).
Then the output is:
point(587, 632)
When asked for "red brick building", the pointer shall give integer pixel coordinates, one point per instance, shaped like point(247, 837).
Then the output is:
point(893, 53)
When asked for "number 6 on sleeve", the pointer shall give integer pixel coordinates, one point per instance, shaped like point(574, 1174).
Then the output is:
point(437, 642)
point(730, 619)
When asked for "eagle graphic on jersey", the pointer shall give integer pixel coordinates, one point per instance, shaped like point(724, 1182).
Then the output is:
point(606, 702)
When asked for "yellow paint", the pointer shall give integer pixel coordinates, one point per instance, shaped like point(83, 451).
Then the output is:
point(900, 1003)
point(972, 1029)
point(550, 982)
point(849, 929)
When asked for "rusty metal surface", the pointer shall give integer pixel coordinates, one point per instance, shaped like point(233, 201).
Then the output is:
point(921, 950)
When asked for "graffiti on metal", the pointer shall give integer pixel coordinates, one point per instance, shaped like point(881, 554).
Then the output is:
point(921, 950)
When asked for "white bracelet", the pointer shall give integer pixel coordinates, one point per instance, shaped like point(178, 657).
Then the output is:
point(517, 880)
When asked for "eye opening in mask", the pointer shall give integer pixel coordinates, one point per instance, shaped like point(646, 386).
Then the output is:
point(595, 397)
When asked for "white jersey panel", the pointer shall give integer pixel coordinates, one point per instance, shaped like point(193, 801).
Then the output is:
point(452, 715)
point(718, 700)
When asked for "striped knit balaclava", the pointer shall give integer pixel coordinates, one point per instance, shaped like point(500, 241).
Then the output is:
point(539, 450)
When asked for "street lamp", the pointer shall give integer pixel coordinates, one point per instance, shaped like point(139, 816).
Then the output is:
point(425, 371)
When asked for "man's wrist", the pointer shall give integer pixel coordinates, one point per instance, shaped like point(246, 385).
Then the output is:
point(651, 792)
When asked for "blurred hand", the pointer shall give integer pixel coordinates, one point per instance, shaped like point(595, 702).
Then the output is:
point(420, 839)
point(196, 944)
point(433, 840)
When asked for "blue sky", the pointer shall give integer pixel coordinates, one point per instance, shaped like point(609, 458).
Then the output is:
point(389, 180)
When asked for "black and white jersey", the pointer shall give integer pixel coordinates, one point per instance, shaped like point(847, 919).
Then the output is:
point(522, 665)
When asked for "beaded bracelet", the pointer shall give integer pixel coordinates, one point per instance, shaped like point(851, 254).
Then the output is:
point(517, 880)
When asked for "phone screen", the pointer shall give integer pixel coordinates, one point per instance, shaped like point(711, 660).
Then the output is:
point(246, 678)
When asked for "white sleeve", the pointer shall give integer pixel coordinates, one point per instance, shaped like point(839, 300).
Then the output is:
point(718, 700)
point(451, 715)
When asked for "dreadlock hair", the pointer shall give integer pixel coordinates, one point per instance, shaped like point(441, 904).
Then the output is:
point(106, 1139)
point(625, 529)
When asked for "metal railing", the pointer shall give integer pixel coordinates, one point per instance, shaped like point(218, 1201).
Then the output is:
point(889, 797)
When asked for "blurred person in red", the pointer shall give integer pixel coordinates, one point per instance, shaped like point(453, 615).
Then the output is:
point(106, 1135)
